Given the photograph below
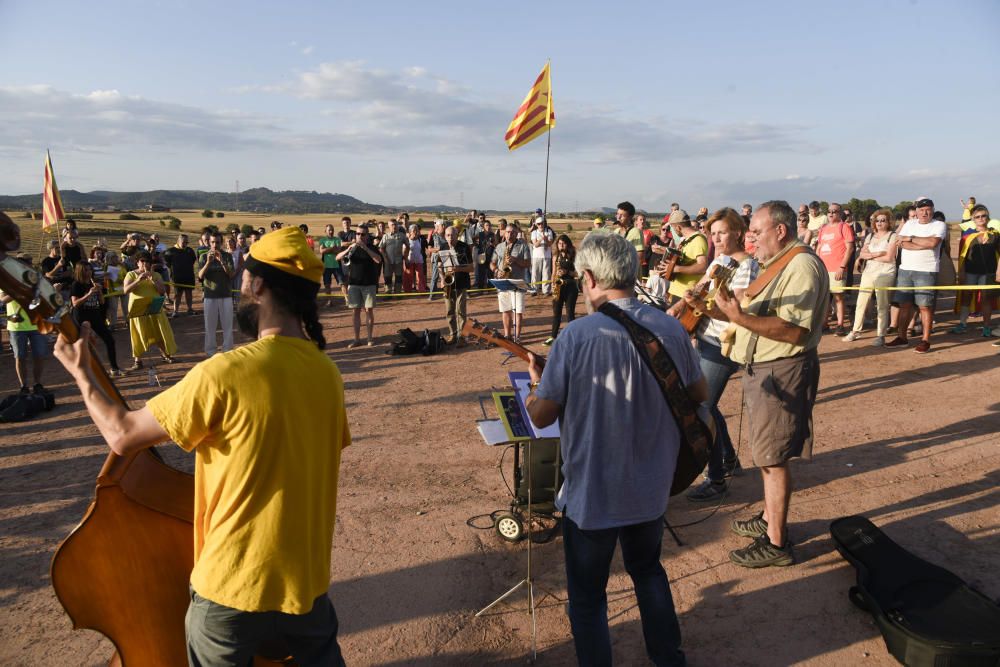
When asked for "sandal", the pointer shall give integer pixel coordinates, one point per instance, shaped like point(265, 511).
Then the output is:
point(137, 365)
point(167, 359)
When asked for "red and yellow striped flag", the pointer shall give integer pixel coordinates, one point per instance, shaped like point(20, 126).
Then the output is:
point(52, 207)
point(535, 116)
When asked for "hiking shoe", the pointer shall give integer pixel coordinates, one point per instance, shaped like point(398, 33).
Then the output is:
point(840, 330)
point(897, 342)
point(25, 389)
point(891, 330)
point(761, 553)
point(755, 526)
point(732, 468)
point(851, 337)
point(959, 329)
point(38, 389)
point(548, 341)
point(879, 341)
point(707, 491)
point(987, 332)
point(922, 347)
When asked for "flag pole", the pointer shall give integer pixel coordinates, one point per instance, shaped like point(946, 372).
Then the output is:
point(545, 200)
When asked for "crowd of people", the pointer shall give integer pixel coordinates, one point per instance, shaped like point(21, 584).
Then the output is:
point(752, 291)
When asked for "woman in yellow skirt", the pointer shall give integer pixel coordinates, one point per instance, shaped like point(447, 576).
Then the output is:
point(144, 285)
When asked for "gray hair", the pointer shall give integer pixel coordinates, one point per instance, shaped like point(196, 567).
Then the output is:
point(610, 258)
point(782, 214)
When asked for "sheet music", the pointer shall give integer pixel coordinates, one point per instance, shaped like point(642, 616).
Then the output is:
point(520, 381)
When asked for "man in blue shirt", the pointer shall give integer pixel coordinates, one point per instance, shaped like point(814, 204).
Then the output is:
point(619, 448)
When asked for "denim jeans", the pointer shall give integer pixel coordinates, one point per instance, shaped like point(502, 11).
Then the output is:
point(717, 370)
point(588, 562)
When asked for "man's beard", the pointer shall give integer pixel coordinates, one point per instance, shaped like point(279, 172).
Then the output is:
point(247, 318)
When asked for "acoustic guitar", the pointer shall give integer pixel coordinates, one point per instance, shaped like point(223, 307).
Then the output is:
point(484, 333)
point(721, 275)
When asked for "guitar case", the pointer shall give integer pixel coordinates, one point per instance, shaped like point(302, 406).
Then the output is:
point(928, 616)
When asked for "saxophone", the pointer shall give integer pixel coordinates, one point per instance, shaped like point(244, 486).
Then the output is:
point(504, 270)
point(560, 277)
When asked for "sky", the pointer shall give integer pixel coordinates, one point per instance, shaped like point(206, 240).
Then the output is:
point(406, 103)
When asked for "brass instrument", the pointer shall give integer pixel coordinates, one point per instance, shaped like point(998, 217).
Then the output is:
point(504, 270)
point(448, 284)
point(564, 273)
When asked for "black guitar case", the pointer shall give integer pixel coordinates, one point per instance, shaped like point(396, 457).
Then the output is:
point(928, 616)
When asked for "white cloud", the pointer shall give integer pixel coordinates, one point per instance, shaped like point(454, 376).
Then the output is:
point(31, 116)
point(307, 50)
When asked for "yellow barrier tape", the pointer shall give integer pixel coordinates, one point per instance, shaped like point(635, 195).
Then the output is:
point(949, 288)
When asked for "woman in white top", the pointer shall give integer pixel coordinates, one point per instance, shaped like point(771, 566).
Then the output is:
point(879, 256)
point(728, 230)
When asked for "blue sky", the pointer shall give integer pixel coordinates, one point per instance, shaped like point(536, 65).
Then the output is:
point(406, 103)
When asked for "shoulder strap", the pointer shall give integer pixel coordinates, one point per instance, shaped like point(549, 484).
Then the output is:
point(773, 271)
point(695, 435)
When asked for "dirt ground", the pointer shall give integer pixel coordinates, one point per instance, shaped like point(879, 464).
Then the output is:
point(908, 440)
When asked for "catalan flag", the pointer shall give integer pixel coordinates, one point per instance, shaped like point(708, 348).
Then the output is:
point(535, 116)
point(52, 208)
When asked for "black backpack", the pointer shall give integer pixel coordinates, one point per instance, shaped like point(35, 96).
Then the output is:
point(408, 343)
point(22, 407)
point(432, 342)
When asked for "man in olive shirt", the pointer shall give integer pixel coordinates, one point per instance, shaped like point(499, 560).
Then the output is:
point(215, 271)
point(777, 334)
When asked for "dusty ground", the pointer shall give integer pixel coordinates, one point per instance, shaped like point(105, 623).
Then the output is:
point(908, 440)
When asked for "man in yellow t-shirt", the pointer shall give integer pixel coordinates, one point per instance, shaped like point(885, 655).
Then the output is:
point(777, 334)
point(267, 424)
point(693, 247)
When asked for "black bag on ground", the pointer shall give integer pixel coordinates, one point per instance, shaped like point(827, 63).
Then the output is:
point(22, 407)
point(408, 343)
point(432, 342)
point(928, 616)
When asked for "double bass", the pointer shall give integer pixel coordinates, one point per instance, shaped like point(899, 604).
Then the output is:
point(124, 569)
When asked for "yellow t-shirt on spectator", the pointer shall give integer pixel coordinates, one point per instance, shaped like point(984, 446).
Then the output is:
point(695, 247)
point(267, 424)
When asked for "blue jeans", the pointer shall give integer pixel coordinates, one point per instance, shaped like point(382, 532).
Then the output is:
point(717, 370)
point(588, 562)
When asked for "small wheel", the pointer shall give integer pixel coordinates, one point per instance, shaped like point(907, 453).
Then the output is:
point(509, 527)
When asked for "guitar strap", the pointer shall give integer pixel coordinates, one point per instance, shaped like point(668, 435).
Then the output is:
point(696, 438)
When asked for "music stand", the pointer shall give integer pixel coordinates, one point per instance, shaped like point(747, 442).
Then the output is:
point(527, 581)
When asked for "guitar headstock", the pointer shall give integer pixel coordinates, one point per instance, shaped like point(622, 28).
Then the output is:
point(724, 271)
point(482, 332)
point(36, 295)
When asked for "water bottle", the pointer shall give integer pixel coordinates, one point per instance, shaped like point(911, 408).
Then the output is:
point(152, 377)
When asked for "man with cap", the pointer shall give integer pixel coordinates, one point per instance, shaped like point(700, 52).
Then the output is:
point(265, 486)
point(435, 243)
point(920, 260)
point(542, 238)
point(693, 247)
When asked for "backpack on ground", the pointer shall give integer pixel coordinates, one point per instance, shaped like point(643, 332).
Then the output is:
point(22, 407)
point(408, 343)
point(432, 342)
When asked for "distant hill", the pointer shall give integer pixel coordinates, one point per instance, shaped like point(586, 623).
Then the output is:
point(254, 200)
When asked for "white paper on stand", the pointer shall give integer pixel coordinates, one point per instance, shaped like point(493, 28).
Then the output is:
point(492, 431)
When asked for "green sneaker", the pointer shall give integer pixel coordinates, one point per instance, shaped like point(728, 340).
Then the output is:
point(761, 553)
point(755, 526)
